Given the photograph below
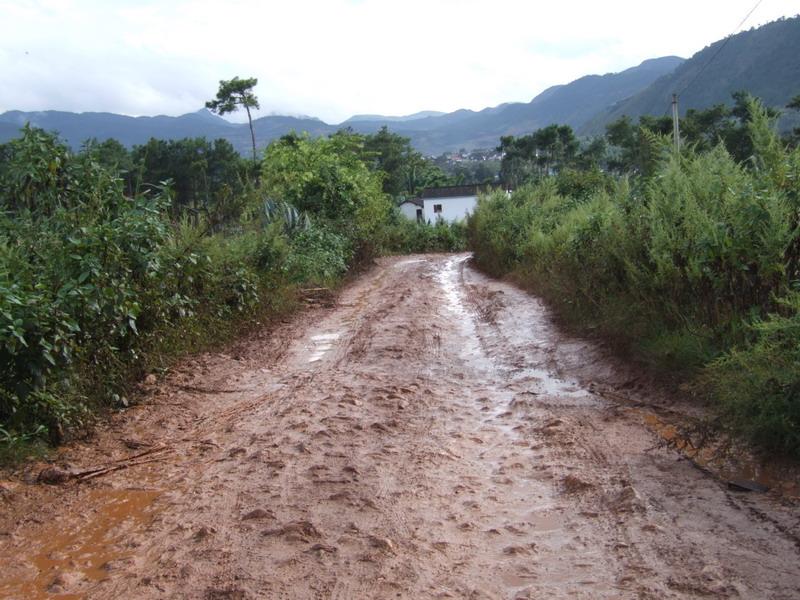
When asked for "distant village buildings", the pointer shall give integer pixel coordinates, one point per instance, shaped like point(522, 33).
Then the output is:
point(475, 155)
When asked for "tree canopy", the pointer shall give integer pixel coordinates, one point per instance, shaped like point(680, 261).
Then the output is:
point(235, 93)
point(540, 153)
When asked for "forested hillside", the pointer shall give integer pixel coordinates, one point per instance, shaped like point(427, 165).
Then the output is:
point(762, 61)
point(571, 104)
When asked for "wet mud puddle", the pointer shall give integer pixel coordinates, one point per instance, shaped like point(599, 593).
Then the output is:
point(476, 345)
point(78, 550)
point(321, 344)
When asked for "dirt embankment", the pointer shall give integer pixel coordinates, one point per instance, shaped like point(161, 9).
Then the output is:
point(430, 436)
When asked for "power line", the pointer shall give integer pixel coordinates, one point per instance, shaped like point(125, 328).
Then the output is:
point(721, 48)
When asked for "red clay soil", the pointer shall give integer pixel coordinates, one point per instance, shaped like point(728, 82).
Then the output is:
point(432, 435)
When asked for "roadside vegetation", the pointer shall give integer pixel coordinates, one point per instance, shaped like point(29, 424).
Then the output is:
point(113, 261)
point(690, 259)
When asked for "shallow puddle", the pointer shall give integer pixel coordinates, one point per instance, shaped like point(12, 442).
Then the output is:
point(321, 345)
point(449, 280)
point(408, 261)
point(547, 383)
point(80, 549)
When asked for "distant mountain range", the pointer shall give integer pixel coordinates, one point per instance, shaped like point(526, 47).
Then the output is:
point(418, 115)
point(75, 128)
point(572, 104)
point(763, 61)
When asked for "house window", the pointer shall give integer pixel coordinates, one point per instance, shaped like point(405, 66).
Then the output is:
point(437, 208)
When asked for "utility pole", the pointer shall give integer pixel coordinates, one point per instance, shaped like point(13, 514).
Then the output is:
point(676, 128)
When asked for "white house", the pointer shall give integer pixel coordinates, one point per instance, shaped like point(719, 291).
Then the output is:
point(411, 209)
point(449, 203)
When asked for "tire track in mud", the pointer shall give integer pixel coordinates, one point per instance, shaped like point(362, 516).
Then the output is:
point(607, 458)
point(427, 437)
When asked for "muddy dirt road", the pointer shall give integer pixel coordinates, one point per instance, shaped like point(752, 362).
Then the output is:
point(430, 436)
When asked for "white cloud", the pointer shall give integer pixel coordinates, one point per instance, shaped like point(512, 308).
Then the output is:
point(334, 58)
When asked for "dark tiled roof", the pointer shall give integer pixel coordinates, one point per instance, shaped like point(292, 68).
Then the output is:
point(417, 201)
point(452, 191)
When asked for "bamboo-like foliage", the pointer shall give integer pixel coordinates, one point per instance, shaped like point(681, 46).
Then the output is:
point(291, 219)
point(695, 265)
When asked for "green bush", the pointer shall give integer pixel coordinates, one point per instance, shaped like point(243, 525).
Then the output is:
point(402, 235)
point(95, 284)
point(317, 257)
point(328, 179)
point(758, 385)
point(75, 252)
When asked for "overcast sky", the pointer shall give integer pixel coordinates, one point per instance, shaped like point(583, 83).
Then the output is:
point(336, 58)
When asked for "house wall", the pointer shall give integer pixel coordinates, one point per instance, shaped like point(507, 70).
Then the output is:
point(409, 210)
point(453, 209)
